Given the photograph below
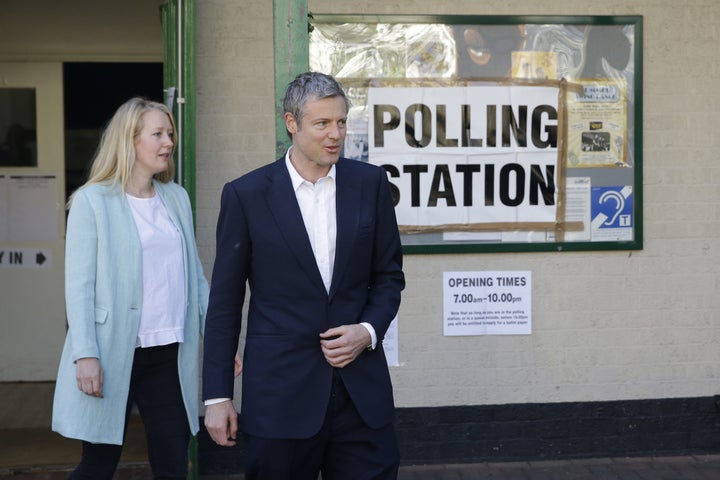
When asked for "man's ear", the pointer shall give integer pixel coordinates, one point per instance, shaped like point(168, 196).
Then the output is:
point(291, 123)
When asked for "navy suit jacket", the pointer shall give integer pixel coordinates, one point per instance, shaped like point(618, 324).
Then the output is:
point(261, 239)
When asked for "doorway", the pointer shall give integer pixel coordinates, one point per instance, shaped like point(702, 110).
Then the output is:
point(92, 92)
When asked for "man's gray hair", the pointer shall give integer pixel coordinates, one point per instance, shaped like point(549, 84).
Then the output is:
point(310, 85)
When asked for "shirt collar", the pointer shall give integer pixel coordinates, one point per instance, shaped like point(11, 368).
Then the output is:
point(295, 177)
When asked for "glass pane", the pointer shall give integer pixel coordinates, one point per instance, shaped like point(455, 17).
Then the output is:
point(18, 127)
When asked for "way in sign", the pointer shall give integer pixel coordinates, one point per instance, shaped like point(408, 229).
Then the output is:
point(25, 258)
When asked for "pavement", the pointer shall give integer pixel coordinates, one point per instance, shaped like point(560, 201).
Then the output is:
point(39, 454)
point(688, 467)
point(704, 467)
point(701, 467)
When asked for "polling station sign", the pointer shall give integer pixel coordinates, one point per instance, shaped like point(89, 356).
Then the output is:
point(468, 157)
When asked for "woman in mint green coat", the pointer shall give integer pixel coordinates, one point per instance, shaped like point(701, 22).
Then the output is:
point(135, 296)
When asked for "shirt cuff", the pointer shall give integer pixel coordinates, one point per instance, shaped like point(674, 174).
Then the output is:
point(213, 401)
point(373, 337)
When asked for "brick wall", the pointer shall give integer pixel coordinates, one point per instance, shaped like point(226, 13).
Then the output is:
point(235, 102)
point(607, 326)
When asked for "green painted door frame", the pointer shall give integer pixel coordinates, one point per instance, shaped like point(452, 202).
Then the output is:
point(178, 22)
point(290, 34)
point(178, 25)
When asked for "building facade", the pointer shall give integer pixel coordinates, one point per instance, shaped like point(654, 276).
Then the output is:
point(623, 357)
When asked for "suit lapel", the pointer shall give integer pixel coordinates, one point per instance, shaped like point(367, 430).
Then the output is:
point(348, 197)
point(283, 205)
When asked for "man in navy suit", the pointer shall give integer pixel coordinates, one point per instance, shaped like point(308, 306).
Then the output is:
point(316, 239)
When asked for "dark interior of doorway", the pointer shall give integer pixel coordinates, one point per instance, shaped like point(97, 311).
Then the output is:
point(92, 93)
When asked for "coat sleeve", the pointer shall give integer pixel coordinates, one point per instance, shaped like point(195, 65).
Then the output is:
point(387, 280)
point(203, 293)
point(227, 295)
point(81, 247)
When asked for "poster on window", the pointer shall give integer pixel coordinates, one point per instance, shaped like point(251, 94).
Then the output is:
point(597, 130)
point(466, 157)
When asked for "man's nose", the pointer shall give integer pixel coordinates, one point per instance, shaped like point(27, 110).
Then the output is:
point(335, 131)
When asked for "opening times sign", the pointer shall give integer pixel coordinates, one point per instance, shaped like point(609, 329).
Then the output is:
point(467, 156)
point(487, 303)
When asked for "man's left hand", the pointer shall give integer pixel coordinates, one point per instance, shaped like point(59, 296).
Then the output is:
point(341, 345)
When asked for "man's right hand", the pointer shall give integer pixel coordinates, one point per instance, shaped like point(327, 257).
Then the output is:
point(221, 423)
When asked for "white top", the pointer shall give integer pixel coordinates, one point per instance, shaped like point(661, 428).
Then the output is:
point(162, 320)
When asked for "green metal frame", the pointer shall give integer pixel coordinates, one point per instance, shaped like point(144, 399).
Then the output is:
point(189, 179)
point(183, 68)
point(298, 7)
point(290, 35)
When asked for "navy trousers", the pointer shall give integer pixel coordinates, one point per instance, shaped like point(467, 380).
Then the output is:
point(155, 389)
point(344, 449)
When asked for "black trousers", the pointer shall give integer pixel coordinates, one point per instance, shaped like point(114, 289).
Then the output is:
point(155, 389)
point(344, 449)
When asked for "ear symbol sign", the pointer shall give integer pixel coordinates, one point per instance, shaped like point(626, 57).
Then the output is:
point(619, 200)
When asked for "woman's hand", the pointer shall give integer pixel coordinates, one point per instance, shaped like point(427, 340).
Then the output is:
point(90, 376)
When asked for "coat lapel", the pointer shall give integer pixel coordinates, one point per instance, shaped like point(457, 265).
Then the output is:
point(283, 205)
point(348, 198)
point(172, 208)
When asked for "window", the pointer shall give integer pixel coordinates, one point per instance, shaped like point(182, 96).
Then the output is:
point(497, 133)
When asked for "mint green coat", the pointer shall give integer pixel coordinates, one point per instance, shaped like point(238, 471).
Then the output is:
point(103, 297)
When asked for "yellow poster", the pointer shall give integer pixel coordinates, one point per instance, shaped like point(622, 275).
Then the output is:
point(597, 124)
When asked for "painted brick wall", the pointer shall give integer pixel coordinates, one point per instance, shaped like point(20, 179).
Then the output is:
point(235, 97)
point(606, 325)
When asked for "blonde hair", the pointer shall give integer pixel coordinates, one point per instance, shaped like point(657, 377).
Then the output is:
point(115, 156)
